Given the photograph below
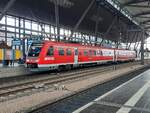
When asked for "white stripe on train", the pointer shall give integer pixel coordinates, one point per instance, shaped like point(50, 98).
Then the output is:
point(53, 65)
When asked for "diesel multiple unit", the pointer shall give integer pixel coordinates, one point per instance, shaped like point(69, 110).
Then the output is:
point(52, 55)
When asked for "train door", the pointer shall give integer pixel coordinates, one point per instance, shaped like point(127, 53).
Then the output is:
point(117, 55)
point(114, 56)
point(75, 55)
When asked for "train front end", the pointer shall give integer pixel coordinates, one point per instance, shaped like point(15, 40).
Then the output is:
point(33, 55)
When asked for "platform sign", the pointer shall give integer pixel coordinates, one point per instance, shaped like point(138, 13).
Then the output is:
point(37, 38)
point(16, 42)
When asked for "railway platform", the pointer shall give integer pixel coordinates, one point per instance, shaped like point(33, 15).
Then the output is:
point(34, 101)
point(130, 97)
point(11, 71)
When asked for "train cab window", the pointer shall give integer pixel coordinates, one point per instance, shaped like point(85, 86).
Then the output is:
point(61, 51)
point(50, 51)
point(35, 49)
point(68, 52)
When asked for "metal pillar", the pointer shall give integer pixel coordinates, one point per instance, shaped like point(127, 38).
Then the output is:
point(90, 40)
point(15, 33)
point(5, 29)
point(127, 39)
point(19, 30)
point(42, 29)
point(101, 42)
point(23, 40)
point(117, 44)
point(7, 7)
point(139, 40)
point(142, 48)
point(96, 25)
point(137, 44)
point(136, 40)
point(96, 30)
point(133, 38)
point(57, 19)
point(82, 17)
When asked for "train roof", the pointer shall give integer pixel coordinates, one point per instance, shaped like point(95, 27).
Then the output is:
point(75, 44)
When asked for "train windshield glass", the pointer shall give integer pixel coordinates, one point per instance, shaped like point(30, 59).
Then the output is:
point(35, 50)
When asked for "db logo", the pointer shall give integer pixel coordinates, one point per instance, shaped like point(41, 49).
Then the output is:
point(49, 58)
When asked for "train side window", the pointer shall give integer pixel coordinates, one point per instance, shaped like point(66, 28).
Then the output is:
point(61, 51)
point(50, 51)
point(85, 53)
point(91, 53)
point(94, 52)
point(68, 52)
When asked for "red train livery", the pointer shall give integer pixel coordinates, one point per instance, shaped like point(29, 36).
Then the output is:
point(49, 54)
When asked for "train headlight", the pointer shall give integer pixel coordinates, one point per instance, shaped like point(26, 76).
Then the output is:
point(27, 60)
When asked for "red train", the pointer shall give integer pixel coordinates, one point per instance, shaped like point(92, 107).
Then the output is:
point(52, 55)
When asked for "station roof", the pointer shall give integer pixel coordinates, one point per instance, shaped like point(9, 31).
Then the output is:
point(70, 12)
point(140, 10)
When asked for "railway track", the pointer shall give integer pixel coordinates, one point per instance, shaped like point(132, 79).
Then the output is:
point(23, 88)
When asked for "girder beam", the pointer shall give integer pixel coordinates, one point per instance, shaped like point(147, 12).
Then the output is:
point(134, 2)
point(141, 14)
point(142, 48)
point(139, 6)
point(57, 19)
point(7, 7)
point(82, 17)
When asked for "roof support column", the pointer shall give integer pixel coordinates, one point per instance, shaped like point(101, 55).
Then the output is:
point(7, 7)
point(142, 47)
point(137, 47)
point(90, 41)
point(127, 38)
point(96, 30)
point(136, 41)
point(133, 38)
point(82, 17)
point(6, 29)
point(96, 24)
point(117, 44)
point(23, 40)
point(57, 19)
point(19, 31)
